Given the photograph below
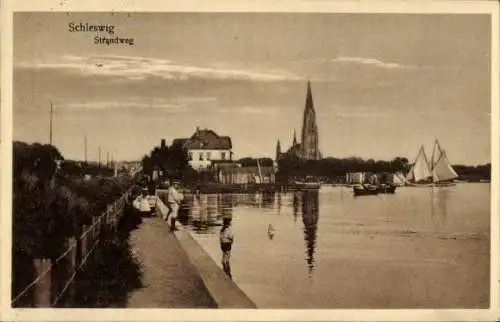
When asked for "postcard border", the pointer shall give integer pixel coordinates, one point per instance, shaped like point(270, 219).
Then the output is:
point(423, 7)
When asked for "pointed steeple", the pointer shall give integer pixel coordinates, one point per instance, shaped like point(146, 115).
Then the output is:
point(278, 150)
point(294, 138)
point(309, 98)
point(309, 138)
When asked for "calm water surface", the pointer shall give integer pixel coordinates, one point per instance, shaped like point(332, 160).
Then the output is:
point(422, 247)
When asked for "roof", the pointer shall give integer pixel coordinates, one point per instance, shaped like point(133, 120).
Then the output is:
point(295, 149)
point(205, 139)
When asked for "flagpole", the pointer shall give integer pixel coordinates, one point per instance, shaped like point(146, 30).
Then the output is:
point(51, 115)
point(85, 139)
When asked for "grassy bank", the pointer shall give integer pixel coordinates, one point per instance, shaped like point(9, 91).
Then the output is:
point(51, 205)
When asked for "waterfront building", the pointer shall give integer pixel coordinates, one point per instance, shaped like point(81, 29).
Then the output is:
point(355, 177)
point(205, 147)
point(308, 148)
point(246, 175)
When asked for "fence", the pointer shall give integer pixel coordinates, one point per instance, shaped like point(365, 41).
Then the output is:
point(54, 282)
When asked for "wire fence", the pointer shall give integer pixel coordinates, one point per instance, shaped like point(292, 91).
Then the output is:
point(54, 281)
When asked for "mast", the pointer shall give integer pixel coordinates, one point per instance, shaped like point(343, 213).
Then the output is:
point(420, 169)
point(50, 126)
point(85, 141)
point(437, 151)
point(443, 169)
point(432, 156)
point(260, 172)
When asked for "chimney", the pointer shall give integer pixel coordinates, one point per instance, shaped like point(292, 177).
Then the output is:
point(163, 143)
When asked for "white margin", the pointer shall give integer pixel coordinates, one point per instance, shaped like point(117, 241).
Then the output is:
point(457, 6)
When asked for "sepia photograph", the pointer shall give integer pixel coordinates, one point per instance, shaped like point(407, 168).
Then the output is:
point(251, 160)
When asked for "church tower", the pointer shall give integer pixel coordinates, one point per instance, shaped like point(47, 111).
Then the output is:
point(278, 150)
point(310, 150)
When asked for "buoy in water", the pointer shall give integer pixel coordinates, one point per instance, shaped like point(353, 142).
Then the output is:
point(270, 231)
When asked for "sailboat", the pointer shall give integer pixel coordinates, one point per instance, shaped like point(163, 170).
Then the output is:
point(437, 172)
point(398, 179)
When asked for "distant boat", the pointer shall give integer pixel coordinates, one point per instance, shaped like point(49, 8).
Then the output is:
point(398, 179)
point(309, 182)
point(386, 188)
point(437, 172)
point(365, 190)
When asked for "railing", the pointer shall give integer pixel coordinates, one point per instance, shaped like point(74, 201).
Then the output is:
point(54, 278)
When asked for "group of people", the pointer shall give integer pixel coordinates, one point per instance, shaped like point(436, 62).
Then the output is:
point(174, 201)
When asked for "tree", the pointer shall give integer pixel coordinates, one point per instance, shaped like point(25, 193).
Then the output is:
point(252, 162)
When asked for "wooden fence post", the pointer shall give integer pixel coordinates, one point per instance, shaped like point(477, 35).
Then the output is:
point(73, 266)
point(94, 231)
point(85, 245)
point(106, 220)
point(43, 288)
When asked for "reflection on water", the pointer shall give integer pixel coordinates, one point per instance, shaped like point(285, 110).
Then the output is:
point(417, 248)
point(296, 204)
point(204, 213)
point(310, 215)
point(439, 205)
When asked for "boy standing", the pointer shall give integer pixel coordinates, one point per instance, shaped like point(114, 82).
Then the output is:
point(226, 242)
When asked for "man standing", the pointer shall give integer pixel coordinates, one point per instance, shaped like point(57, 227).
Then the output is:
point(174, 200)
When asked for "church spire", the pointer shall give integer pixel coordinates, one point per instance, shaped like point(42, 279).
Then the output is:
point(309, 142)
point(309, 98)
point(294, 138)
point(278, 150)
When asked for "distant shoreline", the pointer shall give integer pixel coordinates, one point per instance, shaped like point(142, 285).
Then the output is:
point(270, 188)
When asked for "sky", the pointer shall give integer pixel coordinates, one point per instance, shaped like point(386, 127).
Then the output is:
point(382, 84)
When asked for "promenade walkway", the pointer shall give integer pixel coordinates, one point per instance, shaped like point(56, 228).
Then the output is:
point(169, 278)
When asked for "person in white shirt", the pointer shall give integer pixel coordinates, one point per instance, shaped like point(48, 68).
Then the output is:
point(141, 203)
point(226, 243)
point(174, 199)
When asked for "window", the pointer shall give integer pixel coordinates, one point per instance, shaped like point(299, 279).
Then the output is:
point(208, 155)
point(223, 155)
point(201, 156)
point(190, 155)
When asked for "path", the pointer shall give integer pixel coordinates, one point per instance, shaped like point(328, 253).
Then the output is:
point(169, 278)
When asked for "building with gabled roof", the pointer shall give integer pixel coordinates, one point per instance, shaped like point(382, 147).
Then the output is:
point(205, 147)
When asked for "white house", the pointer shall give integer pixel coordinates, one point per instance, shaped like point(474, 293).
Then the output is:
point(205, 147)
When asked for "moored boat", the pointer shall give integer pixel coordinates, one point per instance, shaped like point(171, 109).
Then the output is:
point(385, 188)
point(364, 190)
point(436, 173)
point(308, 183)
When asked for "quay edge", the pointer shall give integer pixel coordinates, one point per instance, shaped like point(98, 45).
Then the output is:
point(223, 290)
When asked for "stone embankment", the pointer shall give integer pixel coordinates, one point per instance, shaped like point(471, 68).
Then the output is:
point(177, 272)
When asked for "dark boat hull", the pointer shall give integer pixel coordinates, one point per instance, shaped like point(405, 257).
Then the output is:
point(361, 191)
point(387, 189)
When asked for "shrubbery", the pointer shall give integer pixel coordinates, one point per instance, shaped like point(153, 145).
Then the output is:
point(50, 205)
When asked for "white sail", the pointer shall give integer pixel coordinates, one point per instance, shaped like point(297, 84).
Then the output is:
point(443, 170)
point(420, 170)
point(409, 175)
point(398, 178)
point(436, 154)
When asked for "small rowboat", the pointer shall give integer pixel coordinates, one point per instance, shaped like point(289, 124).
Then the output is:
point(386, 188)
point(365, 190)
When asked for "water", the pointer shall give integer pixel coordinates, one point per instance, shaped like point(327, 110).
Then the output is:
point(418, 248)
